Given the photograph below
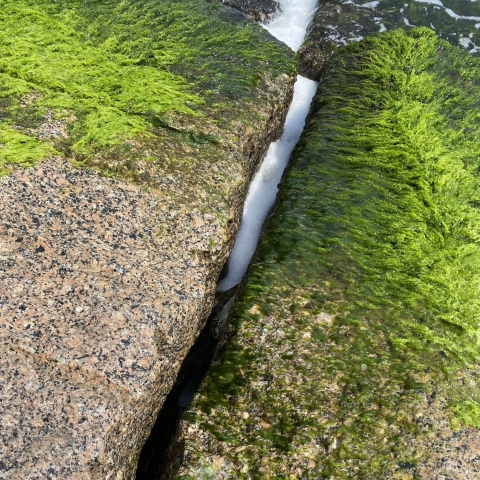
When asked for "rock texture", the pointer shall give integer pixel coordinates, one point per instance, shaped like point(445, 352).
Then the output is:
point(260, 10)
point(338, 23)
point(102, 292)
point(105, 283)
point(356, 354)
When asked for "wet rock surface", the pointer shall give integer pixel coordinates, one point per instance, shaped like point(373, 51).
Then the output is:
point(260, 10)
point(105, 283)
point(356, 352)
point(338, 23)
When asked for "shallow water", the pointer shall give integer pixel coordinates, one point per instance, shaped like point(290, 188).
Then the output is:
point(264, 187)
point(290, 27)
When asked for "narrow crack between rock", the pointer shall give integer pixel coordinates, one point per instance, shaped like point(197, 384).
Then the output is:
point(162, 454)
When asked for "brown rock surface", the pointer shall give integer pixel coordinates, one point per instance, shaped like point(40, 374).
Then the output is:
point(104, 286)
point(97, 311)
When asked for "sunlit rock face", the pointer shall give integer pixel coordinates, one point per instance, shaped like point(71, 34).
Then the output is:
point(355, 346)
point(338, 23)
point(129, 132)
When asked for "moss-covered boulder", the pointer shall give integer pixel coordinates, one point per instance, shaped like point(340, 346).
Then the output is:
point(356, 344)
point(338, 23)
point(129, 131)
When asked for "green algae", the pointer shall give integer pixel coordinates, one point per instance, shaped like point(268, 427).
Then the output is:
point(19, 149)
point(363, 301)
point(124, 69)
point(45, 54)
point(467, 413)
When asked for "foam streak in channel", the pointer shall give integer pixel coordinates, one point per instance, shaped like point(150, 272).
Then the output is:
point(264, 186)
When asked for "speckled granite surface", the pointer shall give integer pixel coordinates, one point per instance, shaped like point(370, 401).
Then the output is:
point(101, 293)
point(104, 285)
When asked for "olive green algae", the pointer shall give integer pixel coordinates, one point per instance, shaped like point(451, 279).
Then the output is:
point(357, 331)
point(142, 89)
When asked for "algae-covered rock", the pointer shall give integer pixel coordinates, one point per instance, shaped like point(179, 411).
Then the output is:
point(106, 282)
point(357, 336)
point(260, 10)
point(338, 23)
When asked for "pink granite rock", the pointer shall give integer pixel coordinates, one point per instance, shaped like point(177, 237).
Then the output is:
point(105, 284)
point(97, 310)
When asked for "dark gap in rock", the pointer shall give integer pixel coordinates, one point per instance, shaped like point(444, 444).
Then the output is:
point(162, 454)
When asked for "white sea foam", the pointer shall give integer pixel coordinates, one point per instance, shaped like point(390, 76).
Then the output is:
point(369, 4)
point(263, 188)
point(290, 26)
point(362, 5)
point(431, 2)
point(461, 17)
point(449, 11)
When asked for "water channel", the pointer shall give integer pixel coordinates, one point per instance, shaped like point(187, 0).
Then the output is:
point(290, 28)
point(156, 458)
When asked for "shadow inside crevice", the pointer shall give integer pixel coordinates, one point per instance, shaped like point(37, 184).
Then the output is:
point(162, 454)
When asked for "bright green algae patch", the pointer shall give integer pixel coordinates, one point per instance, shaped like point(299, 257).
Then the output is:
point(17, 148)
point(468, 413)
point(116, 72)
point(362, 305)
